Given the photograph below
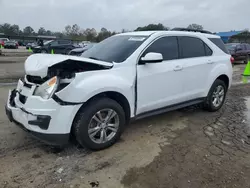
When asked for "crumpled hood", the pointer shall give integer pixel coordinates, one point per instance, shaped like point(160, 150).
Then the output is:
point(38, 64)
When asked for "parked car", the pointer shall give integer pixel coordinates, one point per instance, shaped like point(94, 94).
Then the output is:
point(3, 40)
point(126, 77)
point(84, 43)
point(58, 46)
point(79, 51)
point(240, 52)
point(11, 44)
point(31, 45)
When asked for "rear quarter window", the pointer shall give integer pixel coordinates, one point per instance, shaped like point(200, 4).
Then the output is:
point(219, 43)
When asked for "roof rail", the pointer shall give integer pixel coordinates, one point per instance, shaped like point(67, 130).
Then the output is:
point(191, 30)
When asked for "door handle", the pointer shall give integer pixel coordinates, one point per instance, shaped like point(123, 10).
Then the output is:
point(178, 68)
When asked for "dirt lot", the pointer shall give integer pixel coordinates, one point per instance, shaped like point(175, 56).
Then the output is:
point(185, 148)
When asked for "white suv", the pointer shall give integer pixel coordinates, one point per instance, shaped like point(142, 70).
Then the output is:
point(127, 76)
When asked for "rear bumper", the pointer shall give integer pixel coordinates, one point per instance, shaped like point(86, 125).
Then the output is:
point(239, 58)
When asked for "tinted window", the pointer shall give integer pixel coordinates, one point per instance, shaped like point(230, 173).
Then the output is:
point(54, 43)
point(248, 47)
point(116, 48)
point(208, 51)
point(63, 42)
point(218, 42)
point(167, 46)
point(231, 47)
point(240, 47)
point(191, 47)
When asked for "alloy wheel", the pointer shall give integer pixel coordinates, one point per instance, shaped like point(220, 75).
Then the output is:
point(218, 96)
point(103, 126)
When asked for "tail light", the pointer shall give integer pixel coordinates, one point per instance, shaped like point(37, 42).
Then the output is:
point(232, 59)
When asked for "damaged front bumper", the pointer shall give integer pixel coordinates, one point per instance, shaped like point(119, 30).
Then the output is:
point(47, 120)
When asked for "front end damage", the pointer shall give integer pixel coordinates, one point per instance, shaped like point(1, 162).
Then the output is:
point(34, 105)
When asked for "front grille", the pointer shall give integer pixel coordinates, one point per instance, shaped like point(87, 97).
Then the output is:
point(35, 79)
point(22, 98)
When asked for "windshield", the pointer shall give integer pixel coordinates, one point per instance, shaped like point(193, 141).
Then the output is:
point(47, 42)
point(115, 49)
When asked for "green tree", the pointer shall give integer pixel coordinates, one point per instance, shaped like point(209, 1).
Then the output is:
point(195, 26)
point(90, 34)
point(68, 30)
point(152, 27)
point(28, 31)
point(49, 33)
point(9, 29)
point(75, 30)
point(41, 31)
point(15, 29)
point(103, 34)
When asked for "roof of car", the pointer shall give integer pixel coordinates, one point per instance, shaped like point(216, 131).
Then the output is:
point(148, 33)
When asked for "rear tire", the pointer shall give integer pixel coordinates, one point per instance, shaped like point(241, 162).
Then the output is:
point(87, 129)
point(216, 96)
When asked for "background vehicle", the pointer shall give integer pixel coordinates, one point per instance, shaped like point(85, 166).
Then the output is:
point(59, 47)
point(79, 51)
point(125, 77)
point(11, 44)
point(84, 43)
point(31, 45)
point(3, 40)
point(240, 52)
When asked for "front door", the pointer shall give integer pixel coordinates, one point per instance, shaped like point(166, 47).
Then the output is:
point(160, 84)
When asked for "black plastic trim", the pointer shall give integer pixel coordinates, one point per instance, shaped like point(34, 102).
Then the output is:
point(27, 85)
point(64, 103)
point(169, 108)
point(51, 139)
point(41, 121)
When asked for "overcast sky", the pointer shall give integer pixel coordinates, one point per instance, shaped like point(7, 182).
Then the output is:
point(214, 15)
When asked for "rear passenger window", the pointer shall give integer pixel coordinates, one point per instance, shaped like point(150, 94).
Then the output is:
point(219, 43)
point(167, 46)
point(248, 47)
point(191, 47)
point(208, 51)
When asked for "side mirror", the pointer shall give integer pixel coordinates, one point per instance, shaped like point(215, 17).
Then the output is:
point(151, 57)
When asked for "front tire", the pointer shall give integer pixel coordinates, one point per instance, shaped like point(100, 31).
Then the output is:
point(99, 124)
point(216, 96)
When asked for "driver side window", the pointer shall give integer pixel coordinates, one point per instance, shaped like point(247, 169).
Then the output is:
point(54, 43)
point(167, 46)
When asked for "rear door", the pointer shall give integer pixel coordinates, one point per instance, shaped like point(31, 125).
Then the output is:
point(197, 64)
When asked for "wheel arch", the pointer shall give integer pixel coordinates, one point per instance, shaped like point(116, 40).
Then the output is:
point(224, 78)
point(116, 96)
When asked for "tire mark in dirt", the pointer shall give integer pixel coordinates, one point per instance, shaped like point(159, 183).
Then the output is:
point(213, 151)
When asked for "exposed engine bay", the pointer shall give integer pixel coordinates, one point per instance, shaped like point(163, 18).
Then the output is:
point(66, 70)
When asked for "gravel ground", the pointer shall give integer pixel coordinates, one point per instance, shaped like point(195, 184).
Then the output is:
point(186, 148)
point(181, 149)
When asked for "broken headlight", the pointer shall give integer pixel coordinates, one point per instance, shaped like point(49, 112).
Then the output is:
point(47, 89)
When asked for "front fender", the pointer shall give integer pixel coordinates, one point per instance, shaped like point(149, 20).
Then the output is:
point(88, 84)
